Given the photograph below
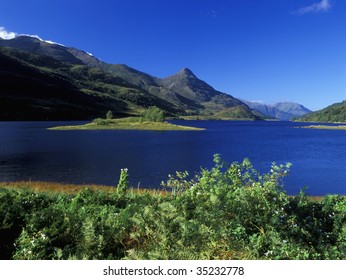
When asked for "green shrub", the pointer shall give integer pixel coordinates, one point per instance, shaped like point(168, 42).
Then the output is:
point(109, 115)
point(123, 182)
point(153, 114)
point(100, 121)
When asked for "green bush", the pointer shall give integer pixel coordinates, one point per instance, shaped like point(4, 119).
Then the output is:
point(109, 115)
point(153, 114)
point(100, 121)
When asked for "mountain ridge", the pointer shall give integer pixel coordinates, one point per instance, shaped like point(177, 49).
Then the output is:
point(182, 94)
point(280, 110)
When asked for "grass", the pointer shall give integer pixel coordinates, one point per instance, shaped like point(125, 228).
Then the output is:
point(54, 187)
point(130, 123)
point(40, 186)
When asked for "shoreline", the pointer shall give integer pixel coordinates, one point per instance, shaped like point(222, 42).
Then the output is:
point(325, 127)
point(67, 188)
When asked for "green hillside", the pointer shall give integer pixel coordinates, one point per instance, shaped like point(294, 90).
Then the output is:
point(37, 92)
point(40, 87)
point(333, 113)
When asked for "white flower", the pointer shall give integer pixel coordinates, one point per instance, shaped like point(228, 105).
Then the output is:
point(268, 253)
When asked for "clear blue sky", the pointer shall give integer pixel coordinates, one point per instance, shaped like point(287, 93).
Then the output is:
point(269, 50)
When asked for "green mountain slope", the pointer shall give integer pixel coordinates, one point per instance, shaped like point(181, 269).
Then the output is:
point(31, 92)
point(36, 46)
point(192, 88)
point(67, 83)
point(333, 113)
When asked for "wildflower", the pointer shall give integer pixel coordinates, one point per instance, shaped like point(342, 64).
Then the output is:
point(268, 253)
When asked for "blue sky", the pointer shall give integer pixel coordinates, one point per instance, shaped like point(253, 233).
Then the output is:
point(265, 50)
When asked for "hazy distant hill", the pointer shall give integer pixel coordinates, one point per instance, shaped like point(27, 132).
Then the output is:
point(333, 113)
point(280, 111)
point(85, 87)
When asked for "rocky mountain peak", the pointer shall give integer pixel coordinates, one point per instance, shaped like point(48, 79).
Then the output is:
point(186, 72)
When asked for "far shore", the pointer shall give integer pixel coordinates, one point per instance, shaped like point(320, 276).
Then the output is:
point(328, 127)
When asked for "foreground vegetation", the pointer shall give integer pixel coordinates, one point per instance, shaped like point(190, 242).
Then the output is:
point(228, 212)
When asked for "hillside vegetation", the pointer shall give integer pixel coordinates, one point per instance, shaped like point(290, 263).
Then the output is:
point(333, 113)
point(228, 212)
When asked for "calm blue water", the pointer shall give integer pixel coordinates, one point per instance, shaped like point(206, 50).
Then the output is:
point(30, 152)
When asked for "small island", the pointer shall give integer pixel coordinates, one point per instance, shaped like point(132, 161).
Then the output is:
point(152, 119)
point(329, 127)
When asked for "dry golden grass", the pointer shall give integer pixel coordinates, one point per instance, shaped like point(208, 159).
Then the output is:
point(40, 186)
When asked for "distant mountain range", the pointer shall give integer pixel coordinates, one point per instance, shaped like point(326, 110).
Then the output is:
point(44, 81)
point(282, 111)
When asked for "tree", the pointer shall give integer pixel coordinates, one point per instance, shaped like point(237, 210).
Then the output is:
point(153, 114)
point(109, 115)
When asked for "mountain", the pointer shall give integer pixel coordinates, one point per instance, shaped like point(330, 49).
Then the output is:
point(39, 93)
point(34, 45)
point(192, 88)
point(333, 113)
point(282, 111)
point(185, 91)
point(46, 76)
